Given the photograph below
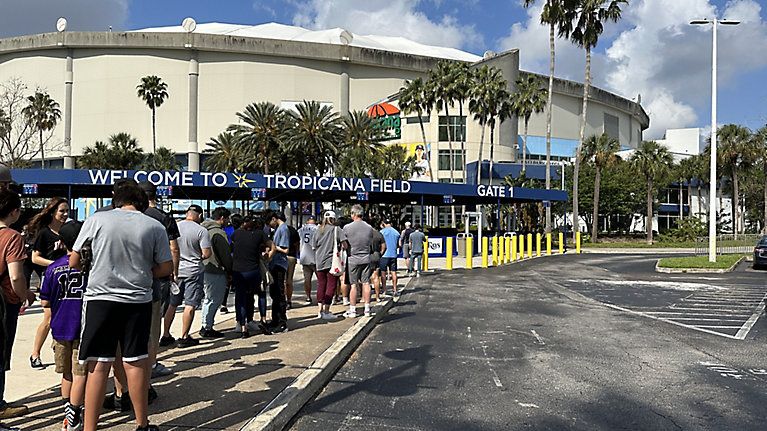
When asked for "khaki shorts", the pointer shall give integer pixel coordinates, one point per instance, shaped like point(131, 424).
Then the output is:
point(291, 269)
point(65, 354)
point(154, 330)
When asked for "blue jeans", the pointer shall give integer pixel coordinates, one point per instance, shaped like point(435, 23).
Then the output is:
point(10, 318)
point(417, 259)
point(215, 289)
point(246, 285)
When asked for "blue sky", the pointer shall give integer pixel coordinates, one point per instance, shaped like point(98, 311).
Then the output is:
point(652, 51)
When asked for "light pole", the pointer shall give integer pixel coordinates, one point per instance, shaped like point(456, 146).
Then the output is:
point(713, 179)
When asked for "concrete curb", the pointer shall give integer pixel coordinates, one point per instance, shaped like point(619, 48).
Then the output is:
point(281, 410)
point(587, 250)
point(697, 270)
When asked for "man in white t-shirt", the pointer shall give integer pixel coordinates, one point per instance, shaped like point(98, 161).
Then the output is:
point(306, 256)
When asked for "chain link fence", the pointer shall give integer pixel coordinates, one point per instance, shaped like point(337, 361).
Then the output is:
point(728, 244)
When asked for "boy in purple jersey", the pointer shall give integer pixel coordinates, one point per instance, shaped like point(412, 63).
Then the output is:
point(62, 291)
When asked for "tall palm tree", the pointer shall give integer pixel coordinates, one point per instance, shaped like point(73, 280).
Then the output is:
point(153, 92)
point(652, 161)
point(43, 113)
point(589, 17)
point(224, 153)
point(464, 80)
point(361, 145)
point(314, 132)
point(441, 82)
point(501, 110)
point(760, 142)
point(260, 132)
point(736, 154)
point(602, 151)
point(530, 98)
point(488, 84)
point(414, 98)
point(555, 15)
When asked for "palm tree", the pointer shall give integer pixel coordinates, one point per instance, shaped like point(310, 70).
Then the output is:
point(313, 133)
point(500, 111)
point(602, 150)
point(414, 98)
point(441, 83)
point(95, 157)
point(224, 153)
point(163, 159)
point(589, 17)
point(488, 83)
point(652, 161)
point(121, 152)
point(464, 81)
point(736, 154)
point(361, 145)
point(260, 132)
point(760, 142)
point(530, 98)
point(687, 171)
point(153, 92)
point(555, 15)
point(43, 113)
point(398, 166)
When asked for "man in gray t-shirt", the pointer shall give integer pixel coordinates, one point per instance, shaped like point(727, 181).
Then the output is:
point(359, 235)
point(194, 247)
point(416, 242)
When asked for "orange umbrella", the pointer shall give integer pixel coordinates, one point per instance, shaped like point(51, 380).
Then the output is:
point(382, 109)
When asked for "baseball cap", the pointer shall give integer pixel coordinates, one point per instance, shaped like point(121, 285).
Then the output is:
point(68, 233)
point(5, 174)
point(419, 147)
point(195, 208)
point(407, 224)
point(311, 217)
point(387, 221)
point(329, 214)
point(148, 188)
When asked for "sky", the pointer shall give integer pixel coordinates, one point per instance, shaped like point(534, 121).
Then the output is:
point(652, 51)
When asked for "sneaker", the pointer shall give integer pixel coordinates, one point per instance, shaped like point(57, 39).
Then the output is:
point(118, 404)
point(224, 310)
point(244, 334)
point(187, 342)
point(210, 333)
point(280, 329)
point(10, 411)
point(350, 314)
point(167, 341)
point(75, 419)
point(290, 305)
point(308, 301)
point(369, 313)
point(264, 328)
point(320, 315)
point(160, 370)
point(152, 395)
point(237, 327)
point(36, 363)
point(346, 301)
point(148, 428)
point(329, 316)
point(252, 326)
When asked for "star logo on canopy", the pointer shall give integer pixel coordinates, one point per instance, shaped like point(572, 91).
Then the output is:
point(242, 180)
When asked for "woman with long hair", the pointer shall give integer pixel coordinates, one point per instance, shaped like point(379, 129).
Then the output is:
point(325, 241)
point(44, 230)
point(248, 246)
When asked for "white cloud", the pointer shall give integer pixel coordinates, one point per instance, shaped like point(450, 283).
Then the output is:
point(392, 18)
point(658, 55)
point(20, 17)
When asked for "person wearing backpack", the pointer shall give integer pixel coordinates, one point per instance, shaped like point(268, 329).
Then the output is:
point(326, 242)
point(218, 269)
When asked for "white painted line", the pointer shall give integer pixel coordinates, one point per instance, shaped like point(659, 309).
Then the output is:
point(750, 322)
point(742, 315)
point(538, 337)
point(700, 319)
point(723, 304)
point(694, 328)
point(468, 329)
point(723, 309)
point(531, 405)
point(718, 327)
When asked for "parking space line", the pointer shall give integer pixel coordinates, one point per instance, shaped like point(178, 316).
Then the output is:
point(750, 322)
point(695, 328)
point(719, 326)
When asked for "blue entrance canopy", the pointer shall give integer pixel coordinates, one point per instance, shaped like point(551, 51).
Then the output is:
point(217, 185)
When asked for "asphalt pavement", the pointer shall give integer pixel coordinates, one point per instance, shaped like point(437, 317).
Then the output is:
point(569, 342)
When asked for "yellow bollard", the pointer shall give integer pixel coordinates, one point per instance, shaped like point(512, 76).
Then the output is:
point(501, 241)
point(561, 243)
point(495, 250)
point(426, 254)
point(548, 244)
point(513, 248)
point(529, 245)
point(507, 259)
point(469, 252)
point(578, 242)
point(538, 244)
point(449, 254)
point(484, 252)
point(521, 246)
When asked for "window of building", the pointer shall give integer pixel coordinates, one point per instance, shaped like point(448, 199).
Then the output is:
point(458, 180)
point(414, 120)
point(456, 128)
point(444, 160)
point(611, 126)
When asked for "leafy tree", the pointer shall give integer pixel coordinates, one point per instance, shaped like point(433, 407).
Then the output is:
point(121, 152)
point(442, 79)
point(224, 154)
point(161, 160)
point(464, 80)
point(313, 135)
point(760, 144)
point(487, 99)
point(361, 146)
point(588, 17)
point(601, 150)
point(530, 98)
point(652, 161)
point(153, 92)
point(414, 98)
point(397, 166)
point(43, 113)
point(555, 15)
point(737, 153)
point(260, 133)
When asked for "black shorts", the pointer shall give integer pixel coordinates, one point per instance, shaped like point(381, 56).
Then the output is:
point(388, 264)
point(107, 324)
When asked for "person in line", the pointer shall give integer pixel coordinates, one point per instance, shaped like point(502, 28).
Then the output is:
point(278, 267)
point(248, 246)
point(14, 291)
point(404, 243)
point(377, 249)
point(326, 239)
point(359, 234)
point(194, 245)
point(62, 293)
point(218, 270)
point(307, 257)
point(43, 229)
point(293, 249)
point(128, 250)
point(389, 259)
point(416, 240)
point(235, 221)
point(342, 292)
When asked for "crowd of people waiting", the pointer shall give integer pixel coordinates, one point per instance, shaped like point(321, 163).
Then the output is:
point(111, 285)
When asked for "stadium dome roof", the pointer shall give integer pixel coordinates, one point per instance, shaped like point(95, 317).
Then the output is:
point(335, 36)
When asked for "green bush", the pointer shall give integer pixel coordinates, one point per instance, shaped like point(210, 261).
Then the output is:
point(687, 230)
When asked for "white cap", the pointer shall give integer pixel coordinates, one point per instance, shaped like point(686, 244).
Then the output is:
point(407, 224)
point(329, 214)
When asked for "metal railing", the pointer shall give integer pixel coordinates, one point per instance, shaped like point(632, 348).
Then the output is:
point(728, 244)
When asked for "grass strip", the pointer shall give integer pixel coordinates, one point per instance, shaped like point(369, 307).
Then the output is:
point(696, 262)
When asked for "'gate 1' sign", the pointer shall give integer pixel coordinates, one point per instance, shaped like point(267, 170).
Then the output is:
point(258, 193)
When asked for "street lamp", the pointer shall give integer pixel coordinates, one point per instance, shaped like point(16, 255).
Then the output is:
point(712, 185)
